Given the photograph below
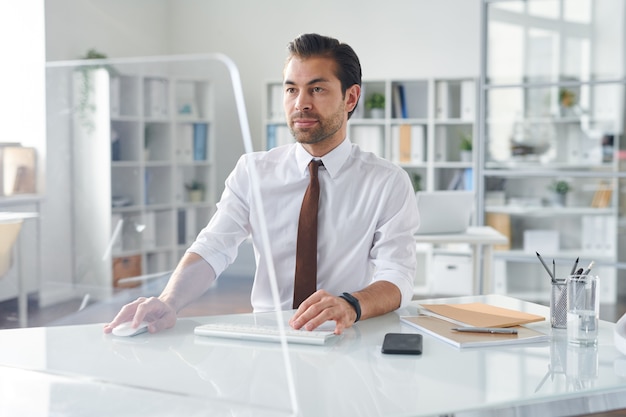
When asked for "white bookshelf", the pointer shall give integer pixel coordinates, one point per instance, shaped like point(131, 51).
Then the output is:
point(161, 135)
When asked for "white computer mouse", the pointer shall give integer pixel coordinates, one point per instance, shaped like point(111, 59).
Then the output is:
point(125, 329)
point(619, 334)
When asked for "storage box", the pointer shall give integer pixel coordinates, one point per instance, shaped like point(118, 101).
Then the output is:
point(126, 267)
point(451, 275)
point(542, 241)
point(17, 170)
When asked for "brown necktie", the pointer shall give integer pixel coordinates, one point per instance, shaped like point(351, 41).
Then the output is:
point(306, 250)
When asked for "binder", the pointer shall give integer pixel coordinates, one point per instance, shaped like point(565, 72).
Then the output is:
point(441, 111)
point(148, 235)
point(114, 96)
point(417, 144)
point(191, 229)
point(368, 138)
point(200, 131)
point(405, 142)
point(184, 143)
point(468, 100)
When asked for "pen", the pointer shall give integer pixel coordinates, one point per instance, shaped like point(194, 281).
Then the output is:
point(498, 330)
point(545, 266)
point(589, 268)
point(574, 267)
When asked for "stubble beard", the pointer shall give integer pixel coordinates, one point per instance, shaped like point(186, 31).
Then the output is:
point(325, 128)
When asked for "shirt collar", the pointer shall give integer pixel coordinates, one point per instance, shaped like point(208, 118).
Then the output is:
point(333, 160)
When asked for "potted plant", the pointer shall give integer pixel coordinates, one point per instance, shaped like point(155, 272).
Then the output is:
point(567, 101)
point(86, 105)
point(416, 180)
point(559, 189)
point(567, 98)
point(466, 147)
point(375, 103)
point(196, 191)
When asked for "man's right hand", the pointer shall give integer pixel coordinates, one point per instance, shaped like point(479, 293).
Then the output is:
point(158, 314)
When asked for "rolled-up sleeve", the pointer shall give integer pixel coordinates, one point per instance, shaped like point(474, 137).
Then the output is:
point(393, 251)
point(218, 242)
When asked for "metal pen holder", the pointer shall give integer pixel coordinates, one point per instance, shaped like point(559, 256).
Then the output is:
point(558, 304)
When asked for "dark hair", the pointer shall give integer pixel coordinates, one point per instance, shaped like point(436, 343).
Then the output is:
point(314, 45)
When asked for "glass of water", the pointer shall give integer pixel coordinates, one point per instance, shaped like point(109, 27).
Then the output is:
point(583, 309)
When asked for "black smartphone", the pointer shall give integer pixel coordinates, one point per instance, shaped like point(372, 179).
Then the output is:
point(403, 343)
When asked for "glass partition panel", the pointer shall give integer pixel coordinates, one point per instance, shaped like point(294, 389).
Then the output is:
point(138, 151)
point(554, 40)
point(551, 140)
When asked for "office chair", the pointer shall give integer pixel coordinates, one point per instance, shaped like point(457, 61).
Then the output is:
point(9, 232)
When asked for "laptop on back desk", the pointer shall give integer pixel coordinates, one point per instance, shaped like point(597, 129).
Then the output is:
point(444, 211)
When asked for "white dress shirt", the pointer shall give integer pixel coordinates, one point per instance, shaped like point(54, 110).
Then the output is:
point(367, 218)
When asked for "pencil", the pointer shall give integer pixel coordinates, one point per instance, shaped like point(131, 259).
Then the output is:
point(545, 266)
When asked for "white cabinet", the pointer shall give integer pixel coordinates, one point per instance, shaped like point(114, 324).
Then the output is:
point(426, 126)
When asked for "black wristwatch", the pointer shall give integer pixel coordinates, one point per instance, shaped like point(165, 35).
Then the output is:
point(354, 302)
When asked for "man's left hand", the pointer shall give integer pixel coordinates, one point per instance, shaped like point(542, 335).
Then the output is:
point(321, 307)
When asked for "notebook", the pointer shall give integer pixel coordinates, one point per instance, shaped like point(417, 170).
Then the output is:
point(444, 211)
point(439, 320)
point(442, 330)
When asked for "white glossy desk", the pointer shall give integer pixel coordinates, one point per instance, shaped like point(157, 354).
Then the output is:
point(481, 239)
point(78, 371)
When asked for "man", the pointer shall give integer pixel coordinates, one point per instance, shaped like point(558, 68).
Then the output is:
point(367, 212)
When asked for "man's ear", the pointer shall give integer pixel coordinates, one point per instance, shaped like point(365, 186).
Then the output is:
point(352, 97)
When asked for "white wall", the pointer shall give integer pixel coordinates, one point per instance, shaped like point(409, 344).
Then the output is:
point(119, 28)
point(22, 76)
point(397, 38)
point(23, 120)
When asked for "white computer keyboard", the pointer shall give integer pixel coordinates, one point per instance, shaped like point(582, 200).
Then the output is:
point(263, 333)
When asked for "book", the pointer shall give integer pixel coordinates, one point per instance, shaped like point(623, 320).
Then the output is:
point(399, 102)
point(442, 330)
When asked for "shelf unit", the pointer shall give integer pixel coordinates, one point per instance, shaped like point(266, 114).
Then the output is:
point(148, 140)
point(420, 128)
point(552, 109)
